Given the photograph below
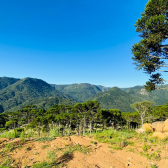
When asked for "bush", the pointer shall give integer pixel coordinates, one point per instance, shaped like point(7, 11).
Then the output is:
point(2, 129)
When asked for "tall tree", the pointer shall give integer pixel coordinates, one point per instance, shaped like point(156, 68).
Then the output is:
point(142, 108)
point(151, 53)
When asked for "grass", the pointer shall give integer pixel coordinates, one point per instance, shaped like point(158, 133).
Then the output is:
point(146, 147)
point(42, 165)
point(51, 155)
point(153, 166)
point(76, 147)
point(44, 139)
point(118, 140)
point(154, 156)
point(7, 163)
point(44, 146)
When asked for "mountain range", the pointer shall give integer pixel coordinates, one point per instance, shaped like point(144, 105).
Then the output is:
point(17, 93)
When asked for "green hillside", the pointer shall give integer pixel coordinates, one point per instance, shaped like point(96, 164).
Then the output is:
point(159, 96)
point(45, 103)
point(17, 93)
point(5, 82)
point(79, 92)
point(116, 98)
point(122, 98)
point(26, 90)
point(103, 88)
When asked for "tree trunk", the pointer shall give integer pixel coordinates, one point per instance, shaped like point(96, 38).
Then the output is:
point(39, 132)
point(141, 121)
point(90, 127)
point(84, 125)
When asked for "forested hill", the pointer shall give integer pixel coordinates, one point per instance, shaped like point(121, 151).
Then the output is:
point(115, 98)
point(79, 92)
point(25, 91)
point(17, 93)
point(5, 82)
point(122, 98)
point(159, 96)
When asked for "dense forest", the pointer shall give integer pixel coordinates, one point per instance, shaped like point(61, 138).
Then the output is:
point(79, 118)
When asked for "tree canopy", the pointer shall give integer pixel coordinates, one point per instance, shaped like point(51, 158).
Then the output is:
point(151, 53)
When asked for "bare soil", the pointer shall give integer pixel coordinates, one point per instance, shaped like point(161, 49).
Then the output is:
point(100, 156)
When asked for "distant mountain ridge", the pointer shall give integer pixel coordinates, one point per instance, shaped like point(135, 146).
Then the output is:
point(17, 93)
point(79, 92)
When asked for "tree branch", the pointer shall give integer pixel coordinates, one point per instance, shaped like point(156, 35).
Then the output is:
point(160, 65)
point(158, 57)
point(161, 70)
point(164, 46)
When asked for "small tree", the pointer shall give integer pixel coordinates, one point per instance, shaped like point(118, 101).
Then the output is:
point(142, 108)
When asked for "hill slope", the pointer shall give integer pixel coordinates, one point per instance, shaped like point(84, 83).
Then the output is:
point(5, 82)
point(79, 92)
point(115, 98)
point(159, 96)
point(26, 90)
point(48, 102)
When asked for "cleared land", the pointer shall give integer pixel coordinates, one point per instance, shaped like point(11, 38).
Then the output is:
point(108, 149)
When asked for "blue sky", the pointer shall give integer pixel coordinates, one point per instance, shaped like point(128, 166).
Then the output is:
point(70, 41)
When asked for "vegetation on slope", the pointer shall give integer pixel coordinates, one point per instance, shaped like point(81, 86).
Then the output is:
point(24, 91)
point(115, 98)
point(6, 81)
point(79, 92)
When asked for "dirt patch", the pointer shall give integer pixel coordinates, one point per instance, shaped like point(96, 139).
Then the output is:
point(100, 155)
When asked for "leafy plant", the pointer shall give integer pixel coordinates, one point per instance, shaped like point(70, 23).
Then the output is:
point(146, 147)
point(51, 155)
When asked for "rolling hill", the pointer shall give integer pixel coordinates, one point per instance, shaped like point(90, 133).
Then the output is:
point(17, 93)
point(115, 98)
point(79, 92)
point(25, 91)
point(6, 81)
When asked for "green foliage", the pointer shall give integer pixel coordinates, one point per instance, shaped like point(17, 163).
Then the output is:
point(26, 91)
point(44, 139)
point(6, 164)
point(151, 51)
point(9, 134)
point(9, 147)
point(115, 98)
point(42, 165)
point(6, 81)
point(30, 91)
point(51, 155)
point(79, 92)
point(146, 147)
point(113, 137)
point(76, 147)
point(22, 136)
point(154, 156)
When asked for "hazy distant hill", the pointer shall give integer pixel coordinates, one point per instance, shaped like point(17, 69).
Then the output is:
point(115, 98)
point(79, 92)
point(25, 90)
point(5, 82)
